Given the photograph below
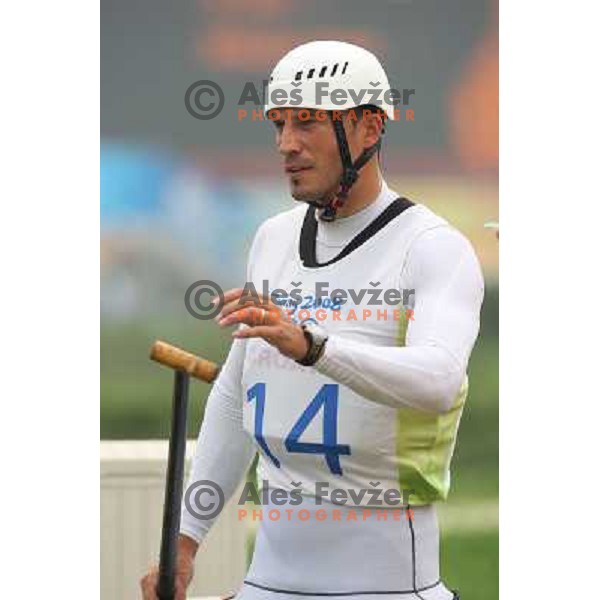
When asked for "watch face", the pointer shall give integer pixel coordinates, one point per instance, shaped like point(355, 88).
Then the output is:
point(317, 332)
point(317, 336)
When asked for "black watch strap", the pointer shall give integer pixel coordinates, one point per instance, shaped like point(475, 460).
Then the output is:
point(315, 350)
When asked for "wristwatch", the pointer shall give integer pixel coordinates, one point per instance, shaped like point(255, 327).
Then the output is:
point(317, 338)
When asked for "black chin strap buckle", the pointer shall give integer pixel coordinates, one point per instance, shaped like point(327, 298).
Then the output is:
point(328, 213)
point(348, 180)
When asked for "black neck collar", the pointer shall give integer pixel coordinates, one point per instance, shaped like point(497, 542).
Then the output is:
point(308, 234)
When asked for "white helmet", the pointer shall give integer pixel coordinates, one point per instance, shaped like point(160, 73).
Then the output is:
point(308, 76)
point(336, 66)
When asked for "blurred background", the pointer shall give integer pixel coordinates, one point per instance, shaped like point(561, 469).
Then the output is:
point(181, 198)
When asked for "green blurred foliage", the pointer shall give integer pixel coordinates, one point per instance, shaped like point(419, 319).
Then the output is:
point(469, 563)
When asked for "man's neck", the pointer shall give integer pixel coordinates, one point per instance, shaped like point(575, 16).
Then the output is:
point(364, 192)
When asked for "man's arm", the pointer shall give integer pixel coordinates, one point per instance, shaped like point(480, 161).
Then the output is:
point(224, 449)
point(427, 373)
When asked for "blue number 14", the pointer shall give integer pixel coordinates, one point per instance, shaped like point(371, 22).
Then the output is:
point(327, 397)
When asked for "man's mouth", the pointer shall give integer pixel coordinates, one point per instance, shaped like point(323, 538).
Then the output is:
point(292, 170)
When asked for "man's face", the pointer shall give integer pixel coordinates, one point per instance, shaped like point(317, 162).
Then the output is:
point(307, 141)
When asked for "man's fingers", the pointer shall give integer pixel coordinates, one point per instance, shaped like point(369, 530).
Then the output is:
point(235, 300)
point(237, 294)
point(149, 582)
point(267, 332)
point(252, 315)
point(232, 307)
point(148, 585)
point(232, 294)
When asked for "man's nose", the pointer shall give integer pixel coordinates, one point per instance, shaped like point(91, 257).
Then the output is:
point(288, 140)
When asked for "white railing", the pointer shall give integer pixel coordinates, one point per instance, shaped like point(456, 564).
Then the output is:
point(132, 492)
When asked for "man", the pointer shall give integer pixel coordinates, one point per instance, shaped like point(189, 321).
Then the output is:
point(351, 393)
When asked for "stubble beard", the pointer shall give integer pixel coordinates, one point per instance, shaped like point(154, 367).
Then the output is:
point(321, 197)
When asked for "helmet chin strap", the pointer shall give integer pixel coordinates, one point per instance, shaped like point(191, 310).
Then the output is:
point(349, 171)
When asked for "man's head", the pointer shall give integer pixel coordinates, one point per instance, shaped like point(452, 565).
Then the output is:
point(307, 141)
point(328, 101)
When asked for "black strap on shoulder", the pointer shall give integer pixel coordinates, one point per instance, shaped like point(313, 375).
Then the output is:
point(308, 234)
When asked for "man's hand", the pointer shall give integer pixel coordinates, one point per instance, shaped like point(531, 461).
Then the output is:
point(183, 577)
point(265, 320)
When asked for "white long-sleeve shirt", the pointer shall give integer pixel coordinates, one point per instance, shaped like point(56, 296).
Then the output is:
point(427, 373)
point(387, 394)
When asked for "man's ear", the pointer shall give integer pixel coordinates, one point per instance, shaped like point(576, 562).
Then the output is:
point(373, 127)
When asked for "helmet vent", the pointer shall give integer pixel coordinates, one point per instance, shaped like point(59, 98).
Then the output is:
point(298, 76)
point(345, 65)
point(334, 69)
point(323, 71)
point(310, 74)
